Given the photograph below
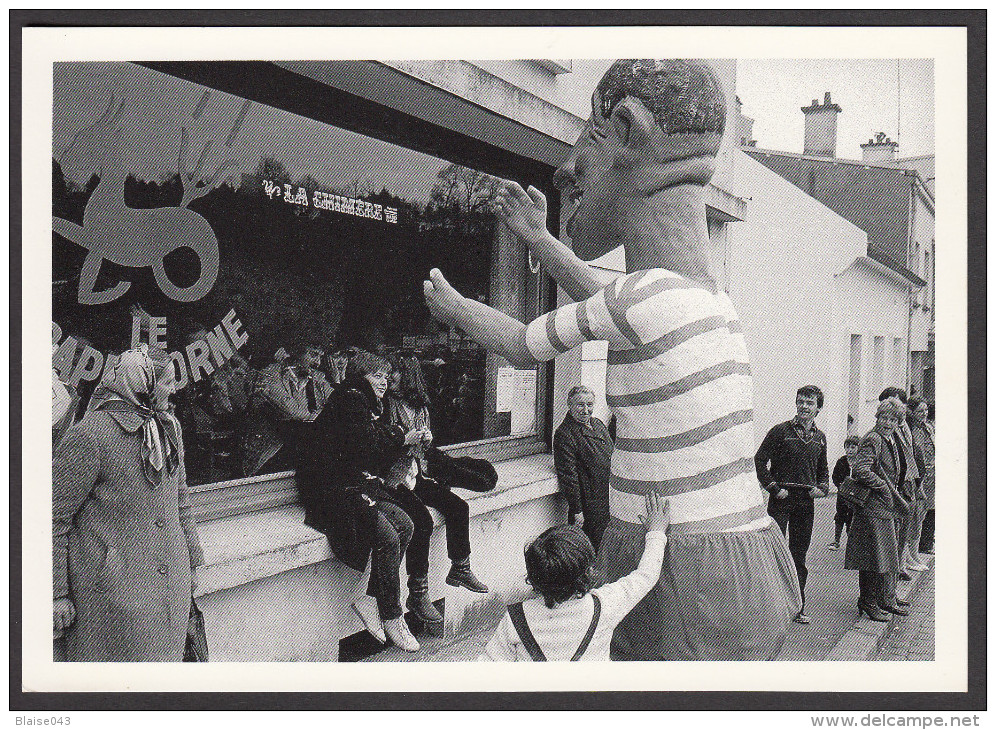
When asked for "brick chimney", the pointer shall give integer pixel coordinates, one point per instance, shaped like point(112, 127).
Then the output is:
point(821, 127)
point(880, 150)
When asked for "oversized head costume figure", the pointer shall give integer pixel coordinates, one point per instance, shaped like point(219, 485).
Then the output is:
point(678, 375)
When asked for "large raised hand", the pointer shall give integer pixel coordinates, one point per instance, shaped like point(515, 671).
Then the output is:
point(524, 213)
point(493, 330)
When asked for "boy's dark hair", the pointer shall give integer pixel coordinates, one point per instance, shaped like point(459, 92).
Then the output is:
point(560, 564)
point(893, 392)
point(811, 391)
point(852, 440)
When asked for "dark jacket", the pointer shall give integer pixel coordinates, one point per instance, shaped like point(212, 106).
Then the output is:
point(582, 456)
point(877, 466)
point(923, 443)
point(340, 464)
point(841, 471)
point(797, 462)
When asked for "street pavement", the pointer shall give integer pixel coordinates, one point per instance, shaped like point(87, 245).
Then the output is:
point(831, 593)
point(912, 639)
point(831, 603)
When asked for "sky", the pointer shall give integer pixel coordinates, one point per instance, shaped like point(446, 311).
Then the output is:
point(895, 96)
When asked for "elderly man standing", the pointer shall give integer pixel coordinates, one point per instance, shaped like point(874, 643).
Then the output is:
point(582, 453)
point(678, 372)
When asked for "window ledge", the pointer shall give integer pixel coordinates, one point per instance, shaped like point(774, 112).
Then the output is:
point(244, 548)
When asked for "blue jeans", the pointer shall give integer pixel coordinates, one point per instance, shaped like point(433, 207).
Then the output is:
point(391, 538)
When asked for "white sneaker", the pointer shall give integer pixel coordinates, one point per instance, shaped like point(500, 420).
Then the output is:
point(366, 609)
point(401, 637)
point(917, 566)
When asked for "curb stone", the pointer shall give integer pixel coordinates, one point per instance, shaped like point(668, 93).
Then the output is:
point(866, 637)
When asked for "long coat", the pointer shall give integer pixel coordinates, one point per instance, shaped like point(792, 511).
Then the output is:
point(582, 456)
point(122, 548)
point(341, 463)
point(871, 539)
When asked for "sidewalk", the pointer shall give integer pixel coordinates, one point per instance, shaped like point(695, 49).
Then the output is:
point(912, 638)
point(835, 634)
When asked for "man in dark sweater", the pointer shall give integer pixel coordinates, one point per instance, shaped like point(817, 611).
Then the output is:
point(582, 453)
point(792, 466)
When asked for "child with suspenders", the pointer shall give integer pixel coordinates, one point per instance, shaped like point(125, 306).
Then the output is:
point(568, 621)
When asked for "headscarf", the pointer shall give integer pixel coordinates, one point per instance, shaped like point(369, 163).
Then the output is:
point(133, 395)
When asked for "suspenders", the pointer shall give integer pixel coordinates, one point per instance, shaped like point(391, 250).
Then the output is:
point(518, 617)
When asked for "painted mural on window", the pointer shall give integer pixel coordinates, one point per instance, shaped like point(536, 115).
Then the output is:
point(255, 247)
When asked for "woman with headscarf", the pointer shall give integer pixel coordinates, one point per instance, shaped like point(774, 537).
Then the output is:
point(872, 549)
point(124, 544)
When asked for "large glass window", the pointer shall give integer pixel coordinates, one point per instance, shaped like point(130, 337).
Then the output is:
point(256, 246)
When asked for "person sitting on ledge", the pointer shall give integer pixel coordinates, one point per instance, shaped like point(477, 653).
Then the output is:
point(340, 478)
point(413, 489)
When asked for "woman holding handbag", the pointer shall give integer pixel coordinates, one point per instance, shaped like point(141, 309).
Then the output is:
point(871, 543)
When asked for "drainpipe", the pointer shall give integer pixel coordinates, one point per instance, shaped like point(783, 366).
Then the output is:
point(909, 290)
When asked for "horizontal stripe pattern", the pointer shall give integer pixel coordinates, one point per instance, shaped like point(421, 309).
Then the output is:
point(683, 385)
point(723, 448)
point(736, 495)
point(751, 520)
point(680, 485)
point(667, 342)
point(690, 357)
point(662, 444)
point(686, 411)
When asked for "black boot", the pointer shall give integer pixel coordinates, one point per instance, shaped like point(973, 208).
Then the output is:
point(460, 575)
point(418, 601)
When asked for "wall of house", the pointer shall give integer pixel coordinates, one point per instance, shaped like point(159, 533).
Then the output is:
point(922, 255)
point(873, 306)
point(783, 258)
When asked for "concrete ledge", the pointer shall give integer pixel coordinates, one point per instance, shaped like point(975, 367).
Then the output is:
point(245, 548)
point(866, 637)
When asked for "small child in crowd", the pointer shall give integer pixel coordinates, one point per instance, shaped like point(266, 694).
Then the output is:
point(568, 621)
point(841, 471)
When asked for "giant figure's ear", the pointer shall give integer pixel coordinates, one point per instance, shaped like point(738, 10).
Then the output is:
point(633, 123)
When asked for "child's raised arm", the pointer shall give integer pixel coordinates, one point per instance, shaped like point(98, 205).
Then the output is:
point(524, 213)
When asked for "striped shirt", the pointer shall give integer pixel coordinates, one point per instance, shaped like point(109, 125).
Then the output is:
point(679, 384)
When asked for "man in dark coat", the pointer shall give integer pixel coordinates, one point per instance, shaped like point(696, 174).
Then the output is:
point(582, 452)
point(797, 453)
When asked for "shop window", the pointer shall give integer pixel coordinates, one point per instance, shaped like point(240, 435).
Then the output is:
point(272, 243)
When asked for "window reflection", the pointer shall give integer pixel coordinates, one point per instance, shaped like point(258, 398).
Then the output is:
point(325, 237)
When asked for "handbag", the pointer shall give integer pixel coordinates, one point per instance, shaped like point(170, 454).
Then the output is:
point(854, 492)
point(463, 472)
point(196, 649)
